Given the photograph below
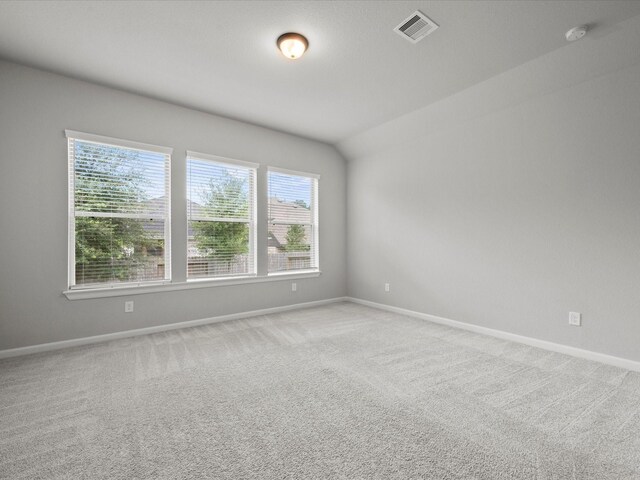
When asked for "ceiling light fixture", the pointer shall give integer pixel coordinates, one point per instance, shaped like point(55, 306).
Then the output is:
point(292, 45)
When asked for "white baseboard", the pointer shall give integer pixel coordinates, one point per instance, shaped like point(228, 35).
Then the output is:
point(534, 342)
point(74, 342)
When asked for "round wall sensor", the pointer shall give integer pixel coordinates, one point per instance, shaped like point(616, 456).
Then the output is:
point(576, 33)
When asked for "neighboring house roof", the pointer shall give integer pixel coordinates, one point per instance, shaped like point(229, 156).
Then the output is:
point(156, 206)
point(279, 211)
point(194, 209)
point(156, 210)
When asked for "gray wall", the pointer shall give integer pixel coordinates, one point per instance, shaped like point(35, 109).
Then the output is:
point(511, 215)
point(36, 107)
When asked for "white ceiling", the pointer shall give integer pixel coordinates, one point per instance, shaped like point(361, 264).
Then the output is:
point(220, 57)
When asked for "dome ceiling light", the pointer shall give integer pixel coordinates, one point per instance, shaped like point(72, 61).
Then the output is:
point(292, 45)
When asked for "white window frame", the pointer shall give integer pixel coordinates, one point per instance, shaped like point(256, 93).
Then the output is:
point(259, 245)
point(72, 135)
point(253, 210)
point(315, 229)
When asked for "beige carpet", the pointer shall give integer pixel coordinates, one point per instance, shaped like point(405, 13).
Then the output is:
point(337, 392)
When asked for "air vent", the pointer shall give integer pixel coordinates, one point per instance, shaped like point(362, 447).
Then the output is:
point(416, 27)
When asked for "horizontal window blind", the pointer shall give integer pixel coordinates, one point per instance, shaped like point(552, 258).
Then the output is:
point(119, 222)
point(293, 221)
point(221, 217)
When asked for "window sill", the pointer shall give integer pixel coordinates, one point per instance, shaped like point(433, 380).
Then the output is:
point(125, 290)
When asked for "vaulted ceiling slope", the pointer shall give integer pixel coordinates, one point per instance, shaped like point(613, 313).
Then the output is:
point(220, 57)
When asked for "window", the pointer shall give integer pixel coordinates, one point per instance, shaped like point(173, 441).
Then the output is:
point(221, 217)
point(119, 222)
point(293, 221)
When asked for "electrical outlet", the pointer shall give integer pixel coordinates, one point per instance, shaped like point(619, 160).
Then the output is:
point(387, 287)
point(128, 306)
point(575, 319)
point(294, 287)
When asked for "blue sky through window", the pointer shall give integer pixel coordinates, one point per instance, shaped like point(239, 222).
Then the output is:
point(290, 187)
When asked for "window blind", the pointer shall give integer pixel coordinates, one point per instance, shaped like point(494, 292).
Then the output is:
point(119, 222)
point(221, 209)
point(293, 221)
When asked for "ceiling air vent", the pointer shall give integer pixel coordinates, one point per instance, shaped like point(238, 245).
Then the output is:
point(416, 27)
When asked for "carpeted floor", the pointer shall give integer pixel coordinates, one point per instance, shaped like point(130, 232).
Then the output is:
point(337, 392)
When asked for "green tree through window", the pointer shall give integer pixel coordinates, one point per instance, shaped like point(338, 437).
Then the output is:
point(112, 243)
point(296, 239)
point(225, 198)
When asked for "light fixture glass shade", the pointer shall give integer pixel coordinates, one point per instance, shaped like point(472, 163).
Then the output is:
point(292, 45)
